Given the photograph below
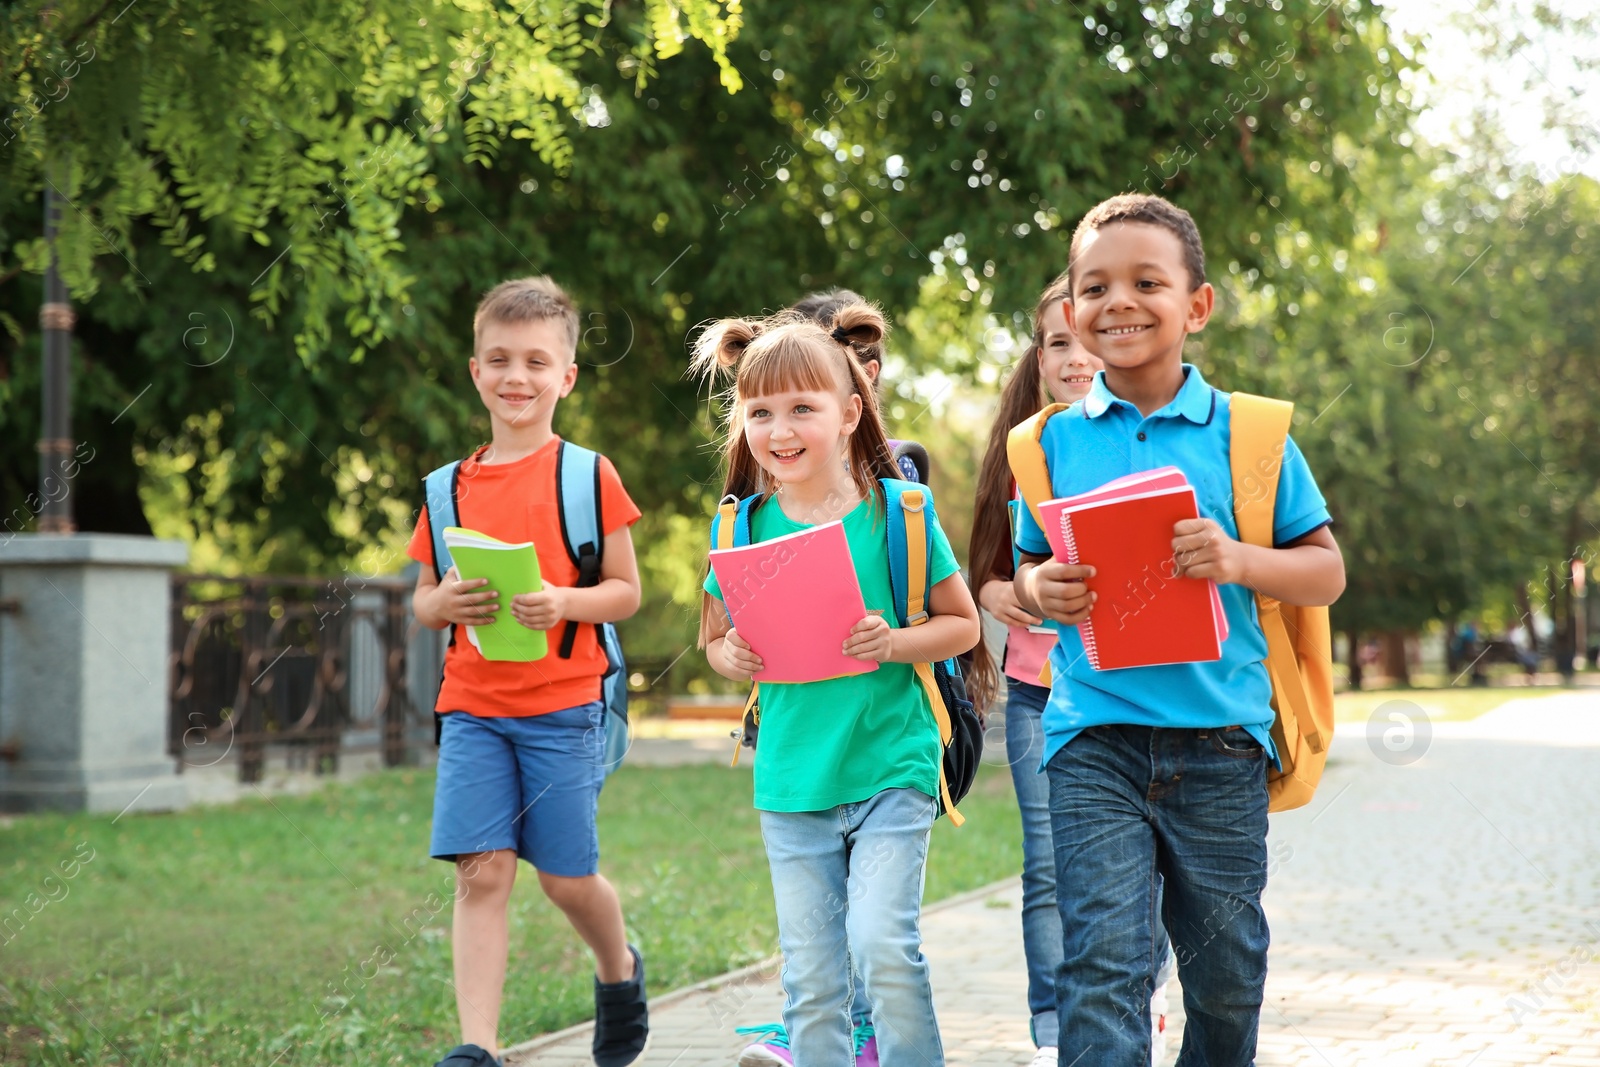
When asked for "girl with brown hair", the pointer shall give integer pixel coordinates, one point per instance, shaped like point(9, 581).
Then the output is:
point(847, 772)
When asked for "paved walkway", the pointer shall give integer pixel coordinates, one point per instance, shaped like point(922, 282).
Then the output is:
point(1439, 903)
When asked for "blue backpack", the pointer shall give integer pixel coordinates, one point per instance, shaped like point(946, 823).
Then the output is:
point(910, 540)
point(578, 489)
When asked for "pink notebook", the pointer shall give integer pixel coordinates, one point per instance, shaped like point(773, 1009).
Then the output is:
point(1143, 616)
point(795, 599)
point(1139, 482)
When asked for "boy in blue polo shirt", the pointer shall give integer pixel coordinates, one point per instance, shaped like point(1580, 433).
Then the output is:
point(1159, 773)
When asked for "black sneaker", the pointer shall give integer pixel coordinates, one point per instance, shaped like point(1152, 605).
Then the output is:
point(468, 1056)
point(621, 1018)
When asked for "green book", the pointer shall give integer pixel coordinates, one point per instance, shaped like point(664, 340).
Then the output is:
point(511, 570)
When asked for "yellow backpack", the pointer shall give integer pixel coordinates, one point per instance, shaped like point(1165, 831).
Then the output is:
point(1299, 640)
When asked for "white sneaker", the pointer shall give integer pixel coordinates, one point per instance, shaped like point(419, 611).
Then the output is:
point(1158, 1026)
point(1045, 1057)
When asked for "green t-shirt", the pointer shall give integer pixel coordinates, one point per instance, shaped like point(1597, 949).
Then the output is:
point(844, 740)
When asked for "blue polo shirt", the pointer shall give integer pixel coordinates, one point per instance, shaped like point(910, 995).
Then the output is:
point(1102, 437)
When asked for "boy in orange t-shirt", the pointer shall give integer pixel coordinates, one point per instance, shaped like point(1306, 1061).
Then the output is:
point(521, 744)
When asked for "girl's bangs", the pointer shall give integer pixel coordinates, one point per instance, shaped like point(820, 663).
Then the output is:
point(786, 364)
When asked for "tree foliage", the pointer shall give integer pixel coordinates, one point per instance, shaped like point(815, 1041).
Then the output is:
point(283, 217)
point(247, 169)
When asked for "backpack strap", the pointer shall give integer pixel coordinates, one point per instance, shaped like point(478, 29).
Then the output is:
point(1031, 471)
point(1026, 455)
point(909, 537)
point(898, 540)
point(730, 528)
point(751, 708)
point(439, 490)
point(912, 503)
point(582, 524)
point(1258, 440)
point(1259, 436)
point(725, 524)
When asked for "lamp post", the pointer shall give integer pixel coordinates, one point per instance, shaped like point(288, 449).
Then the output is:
point(55, 434)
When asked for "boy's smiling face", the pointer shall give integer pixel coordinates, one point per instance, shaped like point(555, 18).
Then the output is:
point(1132, 300)
point(521, 369)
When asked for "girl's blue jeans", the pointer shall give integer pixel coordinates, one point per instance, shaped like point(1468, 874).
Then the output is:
point(1041, 922)
point(1149, 825)
point(848, 886)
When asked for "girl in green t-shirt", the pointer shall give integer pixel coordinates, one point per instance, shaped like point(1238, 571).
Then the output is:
point(846, 775)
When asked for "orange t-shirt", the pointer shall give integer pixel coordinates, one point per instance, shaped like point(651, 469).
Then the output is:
point(518, 502)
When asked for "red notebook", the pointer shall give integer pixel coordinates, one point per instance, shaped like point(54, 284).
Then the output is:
point(795, 599)
point(1144, 616)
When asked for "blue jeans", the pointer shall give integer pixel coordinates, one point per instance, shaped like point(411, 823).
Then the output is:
point(848, 886)
point(860, 1002)
point(1041, 922)
point(1132, 807)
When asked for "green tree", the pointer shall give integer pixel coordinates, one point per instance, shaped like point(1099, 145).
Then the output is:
point(252, 165)
point(1442, 351)
point(932, 157)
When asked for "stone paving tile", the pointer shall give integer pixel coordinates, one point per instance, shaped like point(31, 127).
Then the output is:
point(1440, 912)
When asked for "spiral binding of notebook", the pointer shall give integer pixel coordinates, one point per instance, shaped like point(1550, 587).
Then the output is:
point(1085, 628)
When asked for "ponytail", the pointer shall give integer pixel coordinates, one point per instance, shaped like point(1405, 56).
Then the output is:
point(989, 550)
point(790, 351)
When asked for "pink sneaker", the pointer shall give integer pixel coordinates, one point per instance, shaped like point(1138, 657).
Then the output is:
point(866, 1045)
point(773, 1051)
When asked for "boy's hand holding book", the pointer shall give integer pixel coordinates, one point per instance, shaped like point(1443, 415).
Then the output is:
point(1058, 590)
point(542, 610)
point(499, 566)
point(1158, 564)
point(1201, 548)
point(464, 601)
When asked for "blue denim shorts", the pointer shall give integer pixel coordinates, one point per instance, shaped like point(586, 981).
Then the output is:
point(530, 784)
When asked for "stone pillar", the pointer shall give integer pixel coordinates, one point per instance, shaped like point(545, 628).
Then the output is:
point(84, 643)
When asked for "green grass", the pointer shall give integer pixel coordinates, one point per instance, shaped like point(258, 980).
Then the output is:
point(311, 930)
point(1456, 704)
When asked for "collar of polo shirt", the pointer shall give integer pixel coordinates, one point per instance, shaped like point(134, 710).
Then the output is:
point(1196, 401)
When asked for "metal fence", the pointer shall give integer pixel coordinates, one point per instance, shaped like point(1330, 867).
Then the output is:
point(308, 670)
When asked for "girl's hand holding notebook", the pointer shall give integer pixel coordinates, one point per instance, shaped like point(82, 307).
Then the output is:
point(870, 639)
point(795, 600)
point(739, 654)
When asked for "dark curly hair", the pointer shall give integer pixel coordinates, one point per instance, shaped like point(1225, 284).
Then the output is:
point(1153, 211)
